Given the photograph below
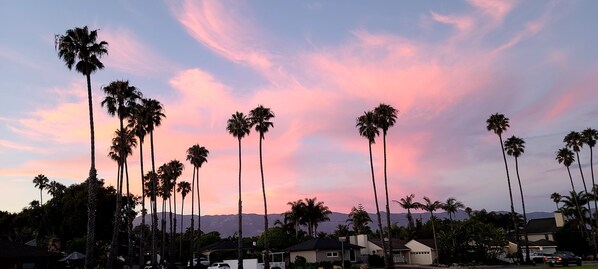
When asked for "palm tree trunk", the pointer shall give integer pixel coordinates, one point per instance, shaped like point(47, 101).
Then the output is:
point(198, 210)
point(266, 245)
point(527, 258)
point(173, 249)
point(129, 218)
point(41, 201)
point(155, 202)
point(142, 235)
point(91, 186)
point(191, 252)
point(595, 202)
point(575, 200)
point(585, 188)
point(171, 237)
point(390, 252)
point(181, 238)
point(240, 243)
point(378, 208)
point(434, 234)
point(511, 198)
point(163, 221)
point(116, 225)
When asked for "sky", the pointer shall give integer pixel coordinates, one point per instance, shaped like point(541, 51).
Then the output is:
point(445, 65)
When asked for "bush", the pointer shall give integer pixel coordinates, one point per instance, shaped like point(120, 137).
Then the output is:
point(375, 261)
point(325, 265)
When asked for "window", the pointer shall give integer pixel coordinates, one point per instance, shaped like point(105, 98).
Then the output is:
point(332, 254)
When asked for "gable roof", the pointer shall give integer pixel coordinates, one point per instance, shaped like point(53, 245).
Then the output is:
point(541, 226)
point(397, 244)
point(426, 242)
point(321, 244)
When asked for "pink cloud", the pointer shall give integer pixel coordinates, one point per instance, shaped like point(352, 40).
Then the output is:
point(497, 10)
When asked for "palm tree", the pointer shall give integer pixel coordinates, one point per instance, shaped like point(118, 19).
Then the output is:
point(556, 198)
point(164, 191)
point(498, 123)
point(468, 210)
point(314, 213)
point(80, 48)
point(515, 146)
point(55, 188)
point(576, 202)
point(575, 141)
point(239, 126)
point(154, 115)
point(386, 116)
point(138, 124)
point(366, 125)
point(295, 216)
point(565, 156)
point(175, 168)
point(359, 219)
point(452, 206)
point(41, 182)
point(408, 203)
point(120, 99)
point(431, 207)
point(184, 188)
point(260, 118)
point(590, 136)
point(197, 156)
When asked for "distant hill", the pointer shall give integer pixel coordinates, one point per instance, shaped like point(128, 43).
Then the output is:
point(253, 224)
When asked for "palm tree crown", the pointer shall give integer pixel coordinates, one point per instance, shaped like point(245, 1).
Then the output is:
point(197, 155)
point(79, 48)
point(574, 141)
point(260, 118)
point(155, 113)
point(565, 156)
point(40, 182)
point(589, 137)
point(497, 123)
point(386, 116)
point(120, 98)
point(366, 125)
point(452, 206)
point(515, 146)
point(238, 125)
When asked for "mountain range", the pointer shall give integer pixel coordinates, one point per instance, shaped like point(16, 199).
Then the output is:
point(253, 224)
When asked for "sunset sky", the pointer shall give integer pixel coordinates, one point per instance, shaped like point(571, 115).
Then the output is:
point(446, 65)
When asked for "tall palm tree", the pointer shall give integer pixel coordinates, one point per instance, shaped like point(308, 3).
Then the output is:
point(386, 116)
point(80, 48)
point(154, 115)
point(295, 216)
point(498, 124)
point(239, 126)
point(431, 207)
point(451, 206)
point(314, 212)
point(556, 198)
point(408, 203)
point(576, 202)
point(41, 182)
point(515, 146)
point(197, 156)
point(260, 118)
point(120, 99)
point(575, 141)
point(590, 136)
point(565, 156)
point(175, 168)
point(138, 124)
point(366, 125)
point(184, 188)
point(164, 191)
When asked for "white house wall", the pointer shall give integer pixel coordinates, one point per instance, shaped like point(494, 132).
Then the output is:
point(420, 253)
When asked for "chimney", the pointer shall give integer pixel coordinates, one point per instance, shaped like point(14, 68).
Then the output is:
point(560, 221)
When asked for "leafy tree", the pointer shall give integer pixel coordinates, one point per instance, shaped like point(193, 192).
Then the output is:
point(41, 182)
point(359, 219)
point(498, 124)
point(260, 118)
point(197, 156)
point(386, 116)
point(80, 48)
point(366, 125)
point(239, 126)
point(515, 146)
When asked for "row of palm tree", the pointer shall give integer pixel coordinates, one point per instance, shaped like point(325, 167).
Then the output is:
point(382, 117)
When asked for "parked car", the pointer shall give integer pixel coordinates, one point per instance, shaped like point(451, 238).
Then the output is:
point(219, 265)
point(537, 257)
point(563, 258)
point(203, 261)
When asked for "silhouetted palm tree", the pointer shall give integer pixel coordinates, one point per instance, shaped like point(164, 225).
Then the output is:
point(589, 137)
point(431, 207)
point(498, 124)
point(575, 141)
point(184, 188)
point(556, 198)
point(239, 126)
point(565, 156)
point(314, 212)
point(515, 146)
point(154, 116)
point(260, 118)
point(197, 156)
point(468, 210)
point(41, 182)
point(80, 48)
point(408, 203)
point(366, 125)
point(452, 206)
point(55, 188)
point(295, 216)
point(386, 116)
point(175, 168)
point(576, 202)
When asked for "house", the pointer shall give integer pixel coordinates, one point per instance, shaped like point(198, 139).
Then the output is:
point(324, 249)
point(399, 250)
point(14, 255)
point(421, 251)
point(540, 233)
